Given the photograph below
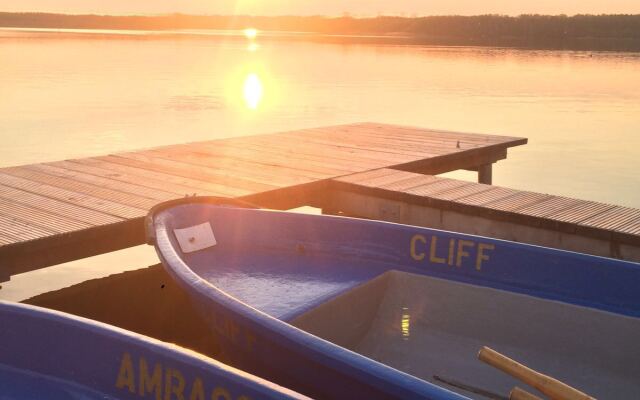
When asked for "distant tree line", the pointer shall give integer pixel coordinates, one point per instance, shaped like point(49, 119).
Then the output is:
point(595, 32)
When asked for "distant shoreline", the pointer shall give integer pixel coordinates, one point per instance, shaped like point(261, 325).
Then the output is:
point(580, 32)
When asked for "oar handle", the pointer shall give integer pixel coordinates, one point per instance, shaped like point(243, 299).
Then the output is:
point(545, 384)
point(519, 394)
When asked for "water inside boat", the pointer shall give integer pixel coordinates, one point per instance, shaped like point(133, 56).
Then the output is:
point(433, 329)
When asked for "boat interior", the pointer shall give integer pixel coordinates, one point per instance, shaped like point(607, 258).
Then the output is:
point(433, 328)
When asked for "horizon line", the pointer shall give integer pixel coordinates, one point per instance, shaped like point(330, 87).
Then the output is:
point(342, 15)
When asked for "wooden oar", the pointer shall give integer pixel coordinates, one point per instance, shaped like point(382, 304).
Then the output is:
point(545, 384)
point(519, 394)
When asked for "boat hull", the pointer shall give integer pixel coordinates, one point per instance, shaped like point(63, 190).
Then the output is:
point(48, 354)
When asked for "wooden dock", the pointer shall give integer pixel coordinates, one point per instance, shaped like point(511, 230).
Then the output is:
point(60, 211)
point(498, 212)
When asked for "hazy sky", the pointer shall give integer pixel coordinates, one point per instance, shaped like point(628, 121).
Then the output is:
point(330, 7)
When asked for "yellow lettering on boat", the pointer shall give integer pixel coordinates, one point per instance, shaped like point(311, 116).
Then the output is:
point(220, 393)
point(481, 256)
point(197, 390)
point(414, 254)
point(432, 253)
point(477, 253)
point(150, 383)
point(173, 384)
point(461, 251)
point(229, 329)
point(165, 383)
point(126, 374)
point(452, 244)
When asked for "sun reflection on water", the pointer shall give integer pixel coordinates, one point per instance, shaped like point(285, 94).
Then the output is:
point(252, 91)
point(405, 323)
point(250, 33)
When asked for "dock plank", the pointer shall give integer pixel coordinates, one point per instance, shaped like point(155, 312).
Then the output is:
point(580, 212)
point(385, 146)
point(20, 231)
point(76, 186)
point(307, 145)
point(256, 157)
point(412, 131)
point(71, 197)
point(88, 176)
point(460, 192)
point(129, 180)
point(518, 201)
point(550, 206)
point(365, 177)
point(496, 193)
point(376, 151)
point(283, 154)
point(613, 219)
point(265, 171)
point(435, 187)
point(187, 185)
point(60, 208)
point(145, 160)
point(8, 239)
point(350, 163)
point(381, 180)
point(630, 228)
point(426, 139)
point(40, 218)
point(434, 142)
point(409, 183)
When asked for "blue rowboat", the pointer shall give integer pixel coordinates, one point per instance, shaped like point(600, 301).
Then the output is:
point(47, 354)
point(337, 307)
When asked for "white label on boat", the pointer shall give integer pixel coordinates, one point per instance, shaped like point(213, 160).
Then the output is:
point(195, 238)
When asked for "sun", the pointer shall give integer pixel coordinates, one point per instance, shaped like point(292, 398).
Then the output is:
point(250, 33)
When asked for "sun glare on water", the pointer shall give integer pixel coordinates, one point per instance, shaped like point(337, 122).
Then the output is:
point(250, 33)
point(252, 91)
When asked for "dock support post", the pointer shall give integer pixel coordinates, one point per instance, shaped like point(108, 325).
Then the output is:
point(485, 174)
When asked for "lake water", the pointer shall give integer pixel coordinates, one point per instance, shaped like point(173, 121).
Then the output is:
point(75, 94)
